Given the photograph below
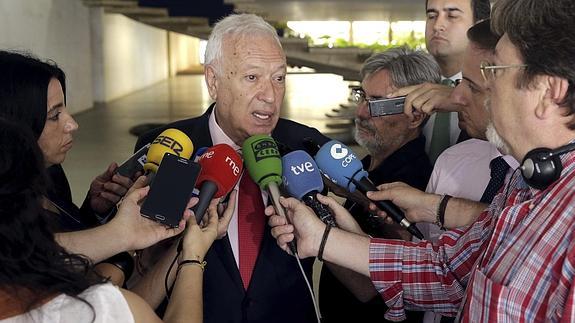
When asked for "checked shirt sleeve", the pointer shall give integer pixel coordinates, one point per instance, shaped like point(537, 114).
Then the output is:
point(427, 276)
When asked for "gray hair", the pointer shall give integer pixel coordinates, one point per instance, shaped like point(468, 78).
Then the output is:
point(237, 25)
point(406, 67)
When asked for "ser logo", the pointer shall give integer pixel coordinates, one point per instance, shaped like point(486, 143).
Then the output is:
point(265, 148)
point(338, 152)
point(171, 143)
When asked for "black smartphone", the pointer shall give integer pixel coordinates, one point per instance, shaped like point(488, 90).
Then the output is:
point(171, 190)
point(385, 107)
point(135, 163)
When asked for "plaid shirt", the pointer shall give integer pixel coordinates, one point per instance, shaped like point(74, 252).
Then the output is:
point(518, 260)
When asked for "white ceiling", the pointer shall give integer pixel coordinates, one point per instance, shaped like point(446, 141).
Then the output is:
point(350, 10)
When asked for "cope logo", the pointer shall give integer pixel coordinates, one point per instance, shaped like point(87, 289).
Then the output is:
point(265, 148)
point(338, 152)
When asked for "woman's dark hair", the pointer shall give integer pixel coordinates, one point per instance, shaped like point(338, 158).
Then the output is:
point(31, 262)
point(24, 88)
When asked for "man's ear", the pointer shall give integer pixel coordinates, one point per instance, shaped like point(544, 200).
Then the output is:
point(418, 119)
point(211, 78)
point(555, 88)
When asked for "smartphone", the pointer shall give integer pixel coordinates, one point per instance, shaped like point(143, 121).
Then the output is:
point(135, 163)
point(171, 190)
point(385, 107)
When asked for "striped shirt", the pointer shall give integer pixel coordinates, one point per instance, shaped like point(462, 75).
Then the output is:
point(517, 260)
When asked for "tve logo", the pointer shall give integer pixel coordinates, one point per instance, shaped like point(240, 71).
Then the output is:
point(337, 151)
point(302, 168)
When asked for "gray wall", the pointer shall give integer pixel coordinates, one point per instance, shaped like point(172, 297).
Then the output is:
point(57, 30)
point(105, 56)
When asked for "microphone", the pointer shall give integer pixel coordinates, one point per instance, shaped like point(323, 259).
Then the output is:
point(135, 163)
point(199, 153)
point(342, 167)
point(171, 141)
point(221, 169)
point(302, 180)
point(264, 164)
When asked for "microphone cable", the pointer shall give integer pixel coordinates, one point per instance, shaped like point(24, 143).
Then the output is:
point(315, 305)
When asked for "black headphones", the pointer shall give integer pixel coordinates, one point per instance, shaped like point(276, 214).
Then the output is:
point(542, 166)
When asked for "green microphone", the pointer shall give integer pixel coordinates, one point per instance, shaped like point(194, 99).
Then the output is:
point(263, 161)
point(264, 164)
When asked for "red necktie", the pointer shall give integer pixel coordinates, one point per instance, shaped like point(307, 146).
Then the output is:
point(251, 222)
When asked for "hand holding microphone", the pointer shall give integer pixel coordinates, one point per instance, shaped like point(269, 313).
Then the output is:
point(221, 170)
point(342, 167)
point(302, 180)
point(264, 164)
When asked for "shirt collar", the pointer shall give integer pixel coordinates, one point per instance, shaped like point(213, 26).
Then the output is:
point(217, 134)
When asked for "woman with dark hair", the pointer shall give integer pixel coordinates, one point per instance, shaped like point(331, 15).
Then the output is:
point(41, 282)
point(33, 92)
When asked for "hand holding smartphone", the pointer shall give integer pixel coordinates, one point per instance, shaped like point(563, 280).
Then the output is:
point(171, 190)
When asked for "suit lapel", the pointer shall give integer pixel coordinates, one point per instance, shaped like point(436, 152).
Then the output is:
point(223, 249)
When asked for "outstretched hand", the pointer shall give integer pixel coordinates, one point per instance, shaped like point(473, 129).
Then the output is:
point(137, 231)
point(425, 98)
point(306, 228)
point(417, 205)
point(107, 189)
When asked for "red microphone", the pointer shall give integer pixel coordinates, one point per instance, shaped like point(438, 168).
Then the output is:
point(221, 170)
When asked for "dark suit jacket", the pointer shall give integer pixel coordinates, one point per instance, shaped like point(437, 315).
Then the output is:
point(277, 290)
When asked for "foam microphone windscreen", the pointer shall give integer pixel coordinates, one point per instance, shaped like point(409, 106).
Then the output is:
point(262, 159)
point(338, 163)
point(300, 174)
point(171, 141)
point(222, 165)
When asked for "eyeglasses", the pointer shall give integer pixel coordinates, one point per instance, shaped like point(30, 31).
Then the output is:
point(359, 96)
point(488, 71)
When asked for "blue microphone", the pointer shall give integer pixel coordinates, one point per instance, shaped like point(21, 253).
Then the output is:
point(199, 153)
point(302, 180)
point(339, 164)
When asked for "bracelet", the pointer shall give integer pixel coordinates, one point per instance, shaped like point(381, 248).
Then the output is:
point(323, 241)
point(440, 214)
point(183, 263)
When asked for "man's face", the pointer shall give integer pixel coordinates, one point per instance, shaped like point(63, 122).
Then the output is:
point(250, 88)
point(470, 94)
point(511, 107)
point(446, 27)
point(379, 134)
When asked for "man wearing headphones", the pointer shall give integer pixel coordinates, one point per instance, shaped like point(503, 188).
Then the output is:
point(516, 261)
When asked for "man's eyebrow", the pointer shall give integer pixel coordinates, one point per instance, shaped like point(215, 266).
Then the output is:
point(431, 11)
point(453, 9)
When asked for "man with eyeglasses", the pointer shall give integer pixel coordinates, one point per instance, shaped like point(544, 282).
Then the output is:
point(473, 169)
point(396, 150)
point(516, 261)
